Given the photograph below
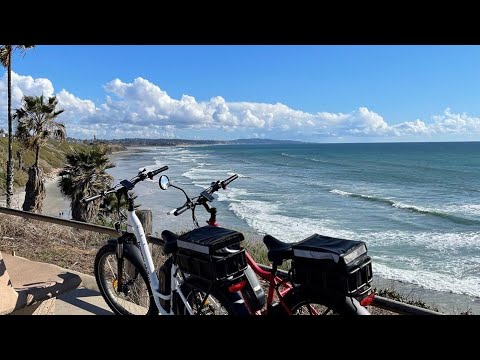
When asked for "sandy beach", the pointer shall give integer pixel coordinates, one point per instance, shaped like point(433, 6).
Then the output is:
point(54, 205)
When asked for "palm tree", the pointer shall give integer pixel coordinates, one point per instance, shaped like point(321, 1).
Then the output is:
point(6, 52)
point(36, 124)
point(85, 175)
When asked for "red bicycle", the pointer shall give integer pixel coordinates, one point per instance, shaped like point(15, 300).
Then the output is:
point(326, 275)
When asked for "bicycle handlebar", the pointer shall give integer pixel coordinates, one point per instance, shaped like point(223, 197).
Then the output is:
point(213, 188)
point(225, 182)
point(180, 210)
point(87, 200)
point(140, 177)
point(151, 174)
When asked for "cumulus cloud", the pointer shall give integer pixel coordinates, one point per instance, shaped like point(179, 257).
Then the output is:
point(142, 109)
point(21, 85)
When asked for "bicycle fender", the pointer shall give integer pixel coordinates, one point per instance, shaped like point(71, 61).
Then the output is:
point(353, 307)
point(131, 252)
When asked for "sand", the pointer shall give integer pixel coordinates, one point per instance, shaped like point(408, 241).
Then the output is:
point(54, 204)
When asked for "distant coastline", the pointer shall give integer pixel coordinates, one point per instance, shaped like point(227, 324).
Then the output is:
point(137, 142)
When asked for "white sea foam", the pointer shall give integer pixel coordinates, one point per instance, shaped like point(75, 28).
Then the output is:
point(469, 285)
point(420, 209)
point(233, 194)
point(340, 192)
point(199, 173)
point(466, 209)
point(317, 160)
point(265, 218)
point(368, 197)
point(444, 242)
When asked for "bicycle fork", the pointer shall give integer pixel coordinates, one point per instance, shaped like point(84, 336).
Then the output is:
point(120, 261)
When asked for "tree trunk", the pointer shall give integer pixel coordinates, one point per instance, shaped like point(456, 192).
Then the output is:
point(34, 191)
point(9, 162)
point(84, 212)
point(20, 160)
point(37, 152)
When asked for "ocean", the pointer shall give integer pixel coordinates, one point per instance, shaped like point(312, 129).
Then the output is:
point(416, 205)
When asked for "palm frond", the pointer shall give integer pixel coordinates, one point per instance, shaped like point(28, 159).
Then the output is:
point(36, 120)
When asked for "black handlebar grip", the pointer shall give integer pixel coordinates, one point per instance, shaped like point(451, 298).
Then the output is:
point(180, 210)
point(229, 180)
point(158, 171)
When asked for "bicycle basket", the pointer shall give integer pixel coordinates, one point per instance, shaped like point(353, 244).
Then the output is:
point(323, 263)
point(211, 253)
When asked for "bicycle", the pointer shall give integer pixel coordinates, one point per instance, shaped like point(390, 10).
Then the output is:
point(129, 283)
point(313, 283)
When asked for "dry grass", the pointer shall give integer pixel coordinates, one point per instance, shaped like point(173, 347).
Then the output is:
point(60, 245)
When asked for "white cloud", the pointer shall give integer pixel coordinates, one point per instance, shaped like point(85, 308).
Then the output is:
point(142, 109)
point(21, 85)
point(74, 105)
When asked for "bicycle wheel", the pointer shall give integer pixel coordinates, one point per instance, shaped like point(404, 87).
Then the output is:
point(136, 297)
point(209, 301)
point(304, 305)
point(311, 308)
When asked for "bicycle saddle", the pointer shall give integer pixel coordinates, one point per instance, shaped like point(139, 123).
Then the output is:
point(170, 242)
point(277, 250)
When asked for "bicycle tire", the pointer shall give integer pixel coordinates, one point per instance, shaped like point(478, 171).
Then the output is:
point(137, 299)
point(219, 301)
point(305, 305)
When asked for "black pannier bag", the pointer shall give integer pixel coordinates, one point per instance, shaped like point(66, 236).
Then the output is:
point(323, 263)
point(211, 253)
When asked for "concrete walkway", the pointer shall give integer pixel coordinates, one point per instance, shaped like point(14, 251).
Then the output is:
point(81, 301)
point(86, 300)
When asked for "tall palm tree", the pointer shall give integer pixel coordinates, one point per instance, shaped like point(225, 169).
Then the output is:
point(84, 175)
point(6, 52)
point(36, 124)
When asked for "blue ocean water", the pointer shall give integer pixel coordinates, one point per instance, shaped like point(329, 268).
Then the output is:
point(416, 205)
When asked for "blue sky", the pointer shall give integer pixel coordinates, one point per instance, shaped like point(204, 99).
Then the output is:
point(314, 93)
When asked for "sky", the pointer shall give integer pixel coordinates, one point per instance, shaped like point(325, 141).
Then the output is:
point(314, 93)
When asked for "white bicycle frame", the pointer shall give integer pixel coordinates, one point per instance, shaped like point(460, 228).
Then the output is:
point(135, 226)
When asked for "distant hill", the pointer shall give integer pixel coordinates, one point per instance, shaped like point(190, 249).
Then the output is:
point(183, 142)
point(263, 141)
point(52, 157)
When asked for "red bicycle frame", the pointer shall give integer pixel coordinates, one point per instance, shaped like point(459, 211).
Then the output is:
point(274, 285)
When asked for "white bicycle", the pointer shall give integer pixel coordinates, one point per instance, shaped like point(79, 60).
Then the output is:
point(201, 276)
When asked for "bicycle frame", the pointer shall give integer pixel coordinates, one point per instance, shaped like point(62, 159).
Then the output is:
point(274, 284)
point(135, 226)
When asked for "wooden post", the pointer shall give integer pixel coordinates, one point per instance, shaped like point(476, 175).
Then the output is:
point(145, 217)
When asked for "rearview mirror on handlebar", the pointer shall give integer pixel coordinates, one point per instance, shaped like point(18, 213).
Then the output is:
point(164, 182)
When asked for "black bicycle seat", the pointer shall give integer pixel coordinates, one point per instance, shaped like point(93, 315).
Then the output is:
point(277, 250)
point(170, 242)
